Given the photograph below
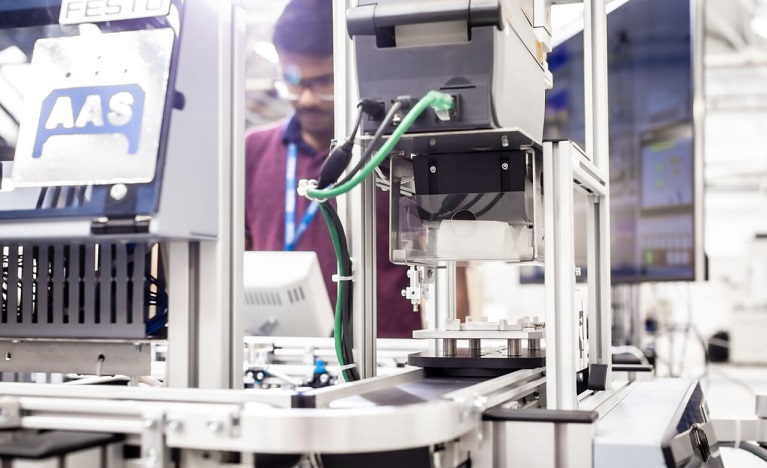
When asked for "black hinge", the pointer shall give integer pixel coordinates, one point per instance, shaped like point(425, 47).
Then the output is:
point(134, 225)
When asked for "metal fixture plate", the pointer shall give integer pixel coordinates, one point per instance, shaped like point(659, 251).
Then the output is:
point(82, 357)
point(479, 334)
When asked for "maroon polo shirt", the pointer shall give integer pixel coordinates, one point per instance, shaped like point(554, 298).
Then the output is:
point(266, 159)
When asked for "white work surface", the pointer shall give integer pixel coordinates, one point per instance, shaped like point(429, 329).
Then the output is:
point(730, 392)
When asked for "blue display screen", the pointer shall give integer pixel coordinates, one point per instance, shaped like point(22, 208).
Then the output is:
point(652, 157)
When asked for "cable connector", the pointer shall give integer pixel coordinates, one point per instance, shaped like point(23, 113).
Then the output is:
point(304, 185)
point(434, 99)
point(441, 101)
point(408, 102)
point(374, 109)
point(335, 164)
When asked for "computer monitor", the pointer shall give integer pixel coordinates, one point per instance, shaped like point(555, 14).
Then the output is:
point(656, 158)
point(285, 295)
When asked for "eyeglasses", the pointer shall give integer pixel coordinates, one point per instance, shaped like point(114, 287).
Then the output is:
point(322, 87)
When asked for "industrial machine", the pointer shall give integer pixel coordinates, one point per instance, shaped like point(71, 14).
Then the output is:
point(471, 180)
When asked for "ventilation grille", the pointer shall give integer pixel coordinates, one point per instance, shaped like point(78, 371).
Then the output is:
point(63, 197)
point(274, 297)
point(74, 291)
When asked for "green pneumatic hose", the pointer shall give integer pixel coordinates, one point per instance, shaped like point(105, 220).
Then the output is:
point(434, 99)
point(438, 101)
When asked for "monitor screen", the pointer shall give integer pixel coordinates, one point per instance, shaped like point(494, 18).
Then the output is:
point(655, 156)
point(285, 295)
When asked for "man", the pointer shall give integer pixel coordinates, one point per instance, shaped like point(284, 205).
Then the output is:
point(303, 39)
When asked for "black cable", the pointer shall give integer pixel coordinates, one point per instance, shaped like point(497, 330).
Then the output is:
point(490, 205)
point(447, 210)
point(340, 156)
point(347, 338)
point(342, 299)
point(338, 159)
point(360, 114)
point(331, 170)
point(348, 296)
point(473, 201)
point(451, 203)
point(372, 146)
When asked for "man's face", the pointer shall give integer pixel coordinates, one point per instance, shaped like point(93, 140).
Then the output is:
point(310, 79)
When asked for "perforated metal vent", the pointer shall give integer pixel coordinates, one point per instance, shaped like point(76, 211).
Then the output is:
point(74, 291)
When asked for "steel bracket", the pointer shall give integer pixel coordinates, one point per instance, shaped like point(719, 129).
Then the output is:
point(10, 413)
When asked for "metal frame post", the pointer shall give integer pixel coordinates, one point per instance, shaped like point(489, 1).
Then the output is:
point(598, 267)
point(699, 114)
point(181, 359)
point(598, 147)
point(237, 188)
point(216, 266)
point(567, 169)
point(358, 209)
point(561, 326)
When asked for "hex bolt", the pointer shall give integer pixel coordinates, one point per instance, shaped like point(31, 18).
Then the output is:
point(505, 166)
point(151, 457)
point(118, 192)
point(432, 142)
point(173, 424)
point(149, 423)
point(433, 169)
point(215, 426)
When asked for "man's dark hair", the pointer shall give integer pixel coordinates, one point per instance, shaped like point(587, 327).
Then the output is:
point(306, 28)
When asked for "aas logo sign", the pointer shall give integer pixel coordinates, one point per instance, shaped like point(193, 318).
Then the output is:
point(116, 109)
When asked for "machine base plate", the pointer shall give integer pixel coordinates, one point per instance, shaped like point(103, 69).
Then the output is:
point(490, 362)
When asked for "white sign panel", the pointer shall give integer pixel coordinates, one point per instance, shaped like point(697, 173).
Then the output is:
point(96, 11)
point(94, 114)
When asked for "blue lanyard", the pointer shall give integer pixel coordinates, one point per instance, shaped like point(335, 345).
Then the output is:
point(293, 234)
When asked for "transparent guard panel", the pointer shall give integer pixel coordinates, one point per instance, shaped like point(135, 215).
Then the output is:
point(502, 225)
